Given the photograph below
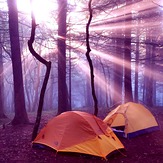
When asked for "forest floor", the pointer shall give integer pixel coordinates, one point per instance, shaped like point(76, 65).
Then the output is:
point(15, 146)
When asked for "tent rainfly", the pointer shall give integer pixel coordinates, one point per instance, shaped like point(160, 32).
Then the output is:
point(130, 120)
point(80, 132)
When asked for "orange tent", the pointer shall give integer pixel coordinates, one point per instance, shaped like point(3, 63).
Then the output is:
point(134, 118)
point(81, 132)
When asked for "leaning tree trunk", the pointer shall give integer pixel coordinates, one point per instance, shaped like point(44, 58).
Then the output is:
point(48, 68)
point(89, 59)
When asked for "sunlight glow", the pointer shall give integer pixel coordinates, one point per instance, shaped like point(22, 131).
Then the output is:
point(100, 54)
point(119, 13)
point(42, 9)
point(110, 23)
point(100, 80)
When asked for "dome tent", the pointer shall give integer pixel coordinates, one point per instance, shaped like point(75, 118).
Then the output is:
point(131, 119)
point(81, 132)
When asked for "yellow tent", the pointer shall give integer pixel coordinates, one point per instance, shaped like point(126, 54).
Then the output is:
point(132, 118)
point(80, 132)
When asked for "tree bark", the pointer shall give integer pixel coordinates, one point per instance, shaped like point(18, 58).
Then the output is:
point(148, 78)
point(48, 68)
point(19, 99)
point(118, 73)
point(128, 88)
point(63, 103)
point(89, 59)
point(127, 61)
point(136, 97)
point(2, 115)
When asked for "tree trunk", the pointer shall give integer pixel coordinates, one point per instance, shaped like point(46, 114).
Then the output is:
point(148, 98)
point(46, 78)
point(63, 104)
point(128, 88)
point(127, 61)
point(106, 99)
point(19, 100)
point(89, 59)
point(136, 99)
point(89, 100)
point(118, 73)
point(2, 115)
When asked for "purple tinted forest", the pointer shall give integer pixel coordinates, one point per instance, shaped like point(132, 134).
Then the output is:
point(126, 51)
point(102, 54)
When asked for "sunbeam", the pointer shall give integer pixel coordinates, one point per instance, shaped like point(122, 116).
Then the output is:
point(124, 12)
point(111, 89)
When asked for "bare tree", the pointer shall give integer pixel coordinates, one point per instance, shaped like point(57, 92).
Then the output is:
point(63, 103)
point(89, 59)
point(127, 60)
point(48, 67)
point(19, 100)
point(2, 115)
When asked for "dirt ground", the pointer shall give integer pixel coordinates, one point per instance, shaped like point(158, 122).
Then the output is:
point(15, 146)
